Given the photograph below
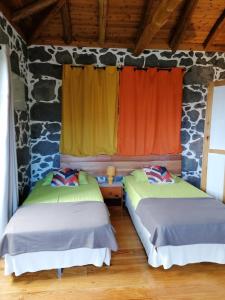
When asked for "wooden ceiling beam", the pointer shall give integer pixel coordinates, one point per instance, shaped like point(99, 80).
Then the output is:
point(156, 20)
point(31, 9)
point(66, 22)
point(8, 15)
point(147, 10)
point(5, 10)
point(102, 16)
point(18, 4)
point(46, 20)
point(217, 28)
point(181, 25)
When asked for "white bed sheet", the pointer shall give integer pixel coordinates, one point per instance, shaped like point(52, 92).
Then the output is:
point(167, 256)
point(46, 260)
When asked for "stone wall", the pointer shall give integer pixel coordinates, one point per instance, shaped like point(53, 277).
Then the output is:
point(38, 128)
point(45, 73)
point(18, 57)
point(44, 80)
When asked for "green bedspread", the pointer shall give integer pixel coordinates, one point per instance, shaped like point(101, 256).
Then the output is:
point(179, 189)
point(49, 194)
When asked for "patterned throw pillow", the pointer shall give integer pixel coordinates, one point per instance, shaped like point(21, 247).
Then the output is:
point(158, 174)
point(65, 177)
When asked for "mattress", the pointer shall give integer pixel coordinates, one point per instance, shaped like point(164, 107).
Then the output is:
point(141, 190)
point(43, 260)
point(49, 194)
point(169, 255)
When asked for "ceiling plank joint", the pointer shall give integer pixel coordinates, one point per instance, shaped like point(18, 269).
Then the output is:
point(182, 23)
point(103, 6)
point(31, 9)
point(67, 23)
point(156, 20)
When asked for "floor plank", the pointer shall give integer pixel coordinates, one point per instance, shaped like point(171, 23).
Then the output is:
point(128, 277)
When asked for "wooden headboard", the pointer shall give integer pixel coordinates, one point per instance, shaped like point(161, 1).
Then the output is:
point(96, 165)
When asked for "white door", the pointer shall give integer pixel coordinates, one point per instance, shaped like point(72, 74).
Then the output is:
point(213, 166)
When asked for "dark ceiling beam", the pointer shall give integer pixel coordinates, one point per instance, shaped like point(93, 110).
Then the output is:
point(31, 9)
point(43, 24)
point(155, 21)
point(147, 10)
point(5, 10)
point(67, 23)
point(102, 17)
point(8, 14)
point(217, 28)
point(182, 23)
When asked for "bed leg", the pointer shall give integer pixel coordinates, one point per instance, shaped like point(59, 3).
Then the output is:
point(59, 273)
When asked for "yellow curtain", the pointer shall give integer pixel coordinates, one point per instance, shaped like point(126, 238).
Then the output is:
point(89, 110)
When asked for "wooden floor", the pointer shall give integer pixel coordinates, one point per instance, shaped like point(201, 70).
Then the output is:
point(128, 277)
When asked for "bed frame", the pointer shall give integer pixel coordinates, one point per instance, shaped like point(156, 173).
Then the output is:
point(96, 165)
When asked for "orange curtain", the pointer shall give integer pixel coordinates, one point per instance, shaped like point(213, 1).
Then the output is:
point(150, 105)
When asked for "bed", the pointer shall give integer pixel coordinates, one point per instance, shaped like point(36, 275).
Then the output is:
point(59, 227)
point(164, 241)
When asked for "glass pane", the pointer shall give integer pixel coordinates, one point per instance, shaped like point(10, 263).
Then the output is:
point(217, 133)
point(215, 175)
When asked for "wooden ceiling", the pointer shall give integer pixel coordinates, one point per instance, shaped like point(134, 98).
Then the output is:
point(135, 24)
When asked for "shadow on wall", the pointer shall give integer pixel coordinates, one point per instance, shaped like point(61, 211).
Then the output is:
point(18, 58)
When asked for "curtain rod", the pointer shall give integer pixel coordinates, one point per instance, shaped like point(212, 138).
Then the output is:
point(135, 68)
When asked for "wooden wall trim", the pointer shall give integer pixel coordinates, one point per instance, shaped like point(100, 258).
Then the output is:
point(101, 158)
point(206, 140)
point(217, 151)
point(219, 83)
point(96, 165)
point(224, 188)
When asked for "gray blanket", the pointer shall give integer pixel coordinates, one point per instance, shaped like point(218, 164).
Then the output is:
point(58, 226)
point(183, 221)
